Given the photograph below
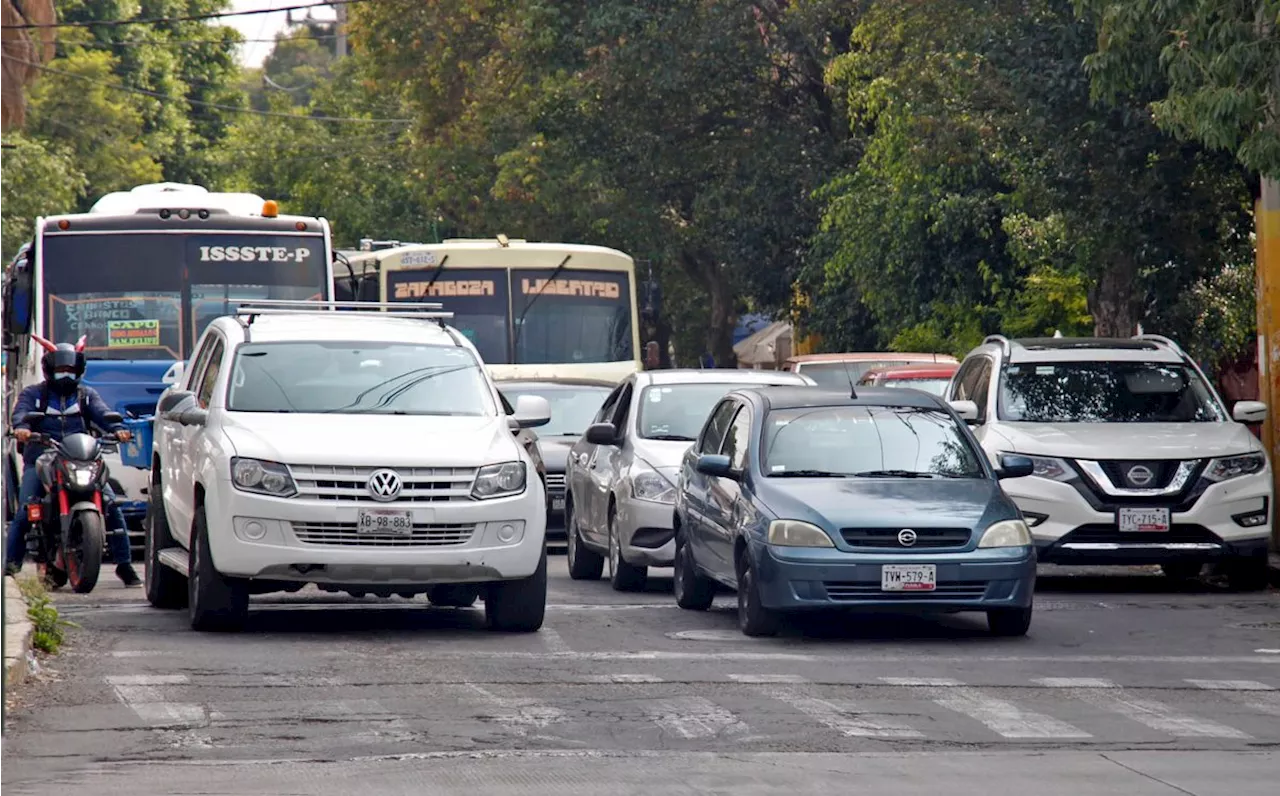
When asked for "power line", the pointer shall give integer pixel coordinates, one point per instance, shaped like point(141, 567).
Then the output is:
point(200, 103)
point(104, 45)
point(113, 23)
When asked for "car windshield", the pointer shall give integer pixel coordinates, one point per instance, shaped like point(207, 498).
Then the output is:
point(839, 375)
point(677, 411)
point(867, 441)
point(935, 386)
point(573, 406)
point(1105, 392)
point(358, 378)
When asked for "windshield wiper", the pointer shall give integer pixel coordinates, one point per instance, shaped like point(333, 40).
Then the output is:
point(808, 474)
point(670, 438)
point(895, 474)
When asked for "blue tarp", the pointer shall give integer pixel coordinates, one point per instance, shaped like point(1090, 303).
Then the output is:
point(749, 325)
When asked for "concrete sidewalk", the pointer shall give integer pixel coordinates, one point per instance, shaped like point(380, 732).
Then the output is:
point(17, 635)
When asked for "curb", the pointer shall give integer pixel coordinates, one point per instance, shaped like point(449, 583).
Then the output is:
point(17, 635)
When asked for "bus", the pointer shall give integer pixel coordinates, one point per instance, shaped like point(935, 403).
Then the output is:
point(533, 310)
point(139, 276)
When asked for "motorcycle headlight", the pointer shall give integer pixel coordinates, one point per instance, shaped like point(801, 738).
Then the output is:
point(81, 476)
point(1235, 466)
point(499, 480)
point(1006, 533)
point(264, 478)
point(650, 486)
point(793, 533)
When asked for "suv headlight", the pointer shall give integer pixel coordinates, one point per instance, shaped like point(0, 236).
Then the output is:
point(1235, 466)
point(794, 533)
point(264, 478)
point(1006, 533)
point(499, 480)
point(651, 486)
point(1046, 467)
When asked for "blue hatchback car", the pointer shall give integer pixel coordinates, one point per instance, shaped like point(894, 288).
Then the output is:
point(806, 499)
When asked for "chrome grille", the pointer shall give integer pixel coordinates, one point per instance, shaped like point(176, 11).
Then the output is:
point(846, 591)
point(926, 538)
point(555, 483)
point(421, 484)
point(345, 534)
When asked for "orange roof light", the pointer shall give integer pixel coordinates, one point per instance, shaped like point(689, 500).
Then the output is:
point(301, 226)
point(270, 209)
point(64, 224)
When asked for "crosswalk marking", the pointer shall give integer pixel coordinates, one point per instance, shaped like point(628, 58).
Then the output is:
point(143, 695)
point(1005, 718)
point(1151, 713)
point(519, 714)
point(842, 717)
point(693, 717)
point(767, 678)
point(1231, 685)
point(634, 678)
point(1250, 693)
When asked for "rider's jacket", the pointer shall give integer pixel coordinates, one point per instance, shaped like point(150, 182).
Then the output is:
point(64, 414)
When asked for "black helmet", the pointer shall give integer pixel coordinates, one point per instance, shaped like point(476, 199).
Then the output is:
point(63, 364)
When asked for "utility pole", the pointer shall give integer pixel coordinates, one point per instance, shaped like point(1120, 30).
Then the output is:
point(1267, 214)
point(340, 30)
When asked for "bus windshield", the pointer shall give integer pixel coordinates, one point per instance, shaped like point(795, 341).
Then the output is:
point(150, 295)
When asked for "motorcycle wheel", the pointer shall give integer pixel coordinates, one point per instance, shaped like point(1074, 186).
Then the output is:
point(84, 558)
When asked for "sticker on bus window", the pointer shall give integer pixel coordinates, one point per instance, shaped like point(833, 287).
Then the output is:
point(133, 334)
point(1044, 370)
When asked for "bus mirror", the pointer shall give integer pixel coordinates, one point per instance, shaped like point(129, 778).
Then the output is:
point(17, 302)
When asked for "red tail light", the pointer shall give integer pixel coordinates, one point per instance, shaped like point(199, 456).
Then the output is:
point(35, 512)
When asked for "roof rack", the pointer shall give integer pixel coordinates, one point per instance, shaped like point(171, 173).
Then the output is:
point(998, 339)
point(432, 311)
point(1161, 339)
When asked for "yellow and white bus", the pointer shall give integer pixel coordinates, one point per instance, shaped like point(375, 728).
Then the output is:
point(533, 310)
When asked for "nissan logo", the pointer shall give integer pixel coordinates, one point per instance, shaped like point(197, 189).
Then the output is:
point(906, 537)
point(384, 485)
point(1140, 475)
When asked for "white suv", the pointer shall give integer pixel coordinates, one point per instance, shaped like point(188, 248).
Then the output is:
point(1136, 459)
point(365, 452)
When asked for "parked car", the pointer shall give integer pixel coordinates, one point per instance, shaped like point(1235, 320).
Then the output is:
point(622, 472)
point(805, 499)
point(358, 451)
point(838, 371)
point(574, 403)
point(930, 377)
point(1136, 459)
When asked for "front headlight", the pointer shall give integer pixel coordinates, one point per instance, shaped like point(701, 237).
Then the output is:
point(650, 486)
point(81, 477)
point(1006, 533)
point(262, 477)
point(499, 480)
point(1235, 466)
point(794, 533)
point(1047, 467)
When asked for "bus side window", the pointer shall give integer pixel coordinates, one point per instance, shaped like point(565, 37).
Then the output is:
point(17, 296)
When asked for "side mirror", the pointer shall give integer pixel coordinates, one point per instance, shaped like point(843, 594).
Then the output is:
point(173, 399)
point(1012, 466)
point(967, 410)
point(532, 411)
point(714, 464)
point(32, 418)
point(193, 417)
point(175, 373)
point(602, 434)
point(1249, 411)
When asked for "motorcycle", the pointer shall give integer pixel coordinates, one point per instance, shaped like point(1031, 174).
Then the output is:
point(68, 524)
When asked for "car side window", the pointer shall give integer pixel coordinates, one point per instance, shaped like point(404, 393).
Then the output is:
point(623, 410)
point(210, 375)
point(966, 380)
point(198, 361)
point(713, 431)
point(982, 388)
point(736, 441)
point(606, 409)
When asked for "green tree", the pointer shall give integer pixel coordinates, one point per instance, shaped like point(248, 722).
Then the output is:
point(36, 181)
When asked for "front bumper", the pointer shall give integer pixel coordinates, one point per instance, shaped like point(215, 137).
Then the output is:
point(312, 541)
point(646, 532)
point(799, 579)
point(1069, 528)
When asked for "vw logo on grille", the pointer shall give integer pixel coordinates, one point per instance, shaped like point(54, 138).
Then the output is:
point(906, 537)
point(384, 485)
point(1140, 475)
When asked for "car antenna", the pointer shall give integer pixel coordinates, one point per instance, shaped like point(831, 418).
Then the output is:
point(853, 393)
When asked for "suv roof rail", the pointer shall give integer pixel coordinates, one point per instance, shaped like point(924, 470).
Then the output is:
point(432, 311)
point(1162, 340)
point(997, 339)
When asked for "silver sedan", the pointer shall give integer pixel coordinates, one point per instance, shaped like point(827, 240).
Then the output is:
point(621, 474)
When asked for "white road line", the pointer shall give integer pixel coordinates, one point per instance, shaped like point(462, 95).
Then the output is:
point(843, 717)
point(296, 680)
point(1003, 717)
point(693, 717)
point(633, 678)
point(794, 679)
point(1231, 685)
point(553, 641)
point(518, 714)
point(390, 727)
point(142, 694)
point(1074, 682)
point(1151, 713)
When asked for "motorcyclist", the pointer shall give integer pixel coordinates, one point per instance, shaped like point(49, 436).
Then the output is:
point(69, 408)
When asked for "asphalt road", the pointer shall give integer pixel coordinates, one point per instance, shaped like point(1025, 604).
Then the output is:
point(1126, 685)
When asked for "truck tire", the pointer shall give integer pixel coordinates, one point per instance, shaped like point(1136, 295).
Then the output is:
point(165, 588)
point(518, 606)
point(214, 602)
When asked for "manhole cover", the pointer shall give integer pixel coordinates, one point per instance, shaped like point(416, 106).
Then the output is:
point(706, 635)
